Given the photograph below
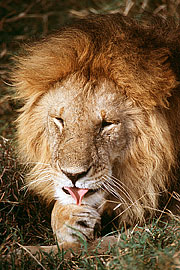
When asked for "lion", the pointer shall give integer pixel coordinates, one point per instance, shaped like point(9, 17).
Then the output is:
point(99, 128)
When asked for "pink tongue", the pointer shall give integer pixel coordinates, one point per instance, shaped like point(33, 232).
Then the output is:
point(77, 193)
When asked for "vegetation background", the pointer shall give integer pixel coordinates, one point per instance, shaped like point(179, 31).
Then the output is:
point(24, 220)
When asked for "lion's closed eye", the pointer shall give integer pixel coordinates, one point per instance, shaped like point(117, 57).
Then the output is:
point(106, 124)
point(59, 122)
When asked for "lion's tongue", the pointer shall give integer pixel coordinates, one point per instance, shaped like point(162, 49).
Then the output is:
point(77, 193)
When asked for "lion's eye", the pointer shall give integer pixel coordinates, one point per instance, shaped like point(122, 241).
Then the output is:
point(105, 124)
point(59, 122)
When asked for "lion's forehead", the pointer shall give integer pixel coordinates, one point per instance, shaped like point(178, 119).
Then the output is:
point(72, 97)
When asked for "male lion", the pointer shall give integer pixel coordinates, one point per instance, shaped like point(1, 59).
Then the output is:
point(100, 123)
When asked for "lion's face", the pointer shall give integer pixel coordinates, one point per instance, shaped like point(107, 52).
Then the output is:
point(89, 129)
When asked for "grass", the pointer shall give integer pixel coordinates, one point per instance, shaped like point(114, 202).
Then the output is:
point(23, 219)
point(146, 248)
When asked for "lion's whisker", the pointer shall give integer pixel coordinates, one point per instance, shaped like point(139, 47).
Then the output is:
point(118, 186)
point(101, 205)
point(113, 191)
point(45, 179)
point(36, 163)
point(140, 198)
point(40, 172)
point(122, 189)
point(119, 182)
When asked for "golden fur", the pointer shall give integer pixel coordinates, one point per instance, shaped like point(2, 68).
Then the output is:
point(136, 64)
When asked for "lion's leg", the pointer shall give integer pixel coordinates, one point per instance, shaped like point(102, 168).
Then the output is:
point(68, 220)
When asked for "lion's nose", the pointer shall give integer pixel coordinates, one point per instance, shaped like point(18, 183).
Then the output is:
point(74, 177)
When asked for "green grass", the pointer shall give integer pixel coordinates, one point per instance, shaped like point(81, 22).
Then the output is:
point(146, 248)
point(24, 220)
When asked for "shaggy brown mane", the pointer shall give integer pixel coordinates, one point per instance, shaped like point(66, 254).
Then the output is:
point(99, 46)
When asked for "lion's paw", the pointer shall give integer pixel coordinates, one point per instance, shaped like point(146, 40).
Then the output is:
point(70, 220)
point(87, 222)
